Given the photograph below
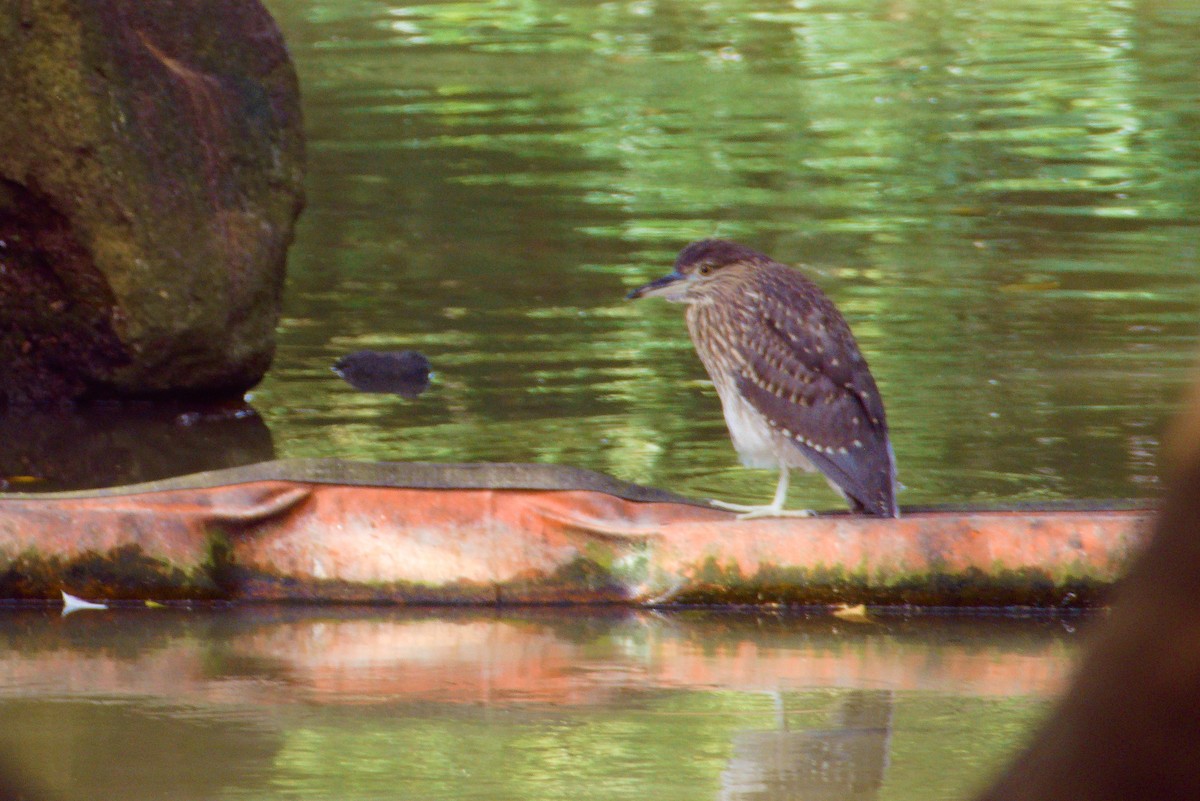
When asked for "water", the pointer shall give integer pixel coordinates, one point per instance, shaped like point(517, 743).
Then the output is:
point(1002, 197)
point(356, 704)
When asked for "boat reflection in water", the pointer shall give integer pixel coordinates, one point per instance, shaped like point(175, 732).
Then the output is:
point(358, 703)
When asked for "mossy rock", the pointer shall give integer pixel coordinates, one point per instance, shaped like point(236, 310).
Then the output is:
point(151, 173)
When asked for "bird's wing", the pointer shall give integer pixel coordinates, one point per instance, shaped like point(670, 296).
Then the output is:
point(805, 375)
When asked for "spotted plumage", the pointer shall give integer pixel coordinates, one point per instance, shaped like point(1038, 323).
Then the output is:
point(794, 388)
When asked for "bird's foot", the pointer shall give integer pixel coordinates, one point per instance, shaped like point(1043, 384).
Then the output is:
point(769, 510)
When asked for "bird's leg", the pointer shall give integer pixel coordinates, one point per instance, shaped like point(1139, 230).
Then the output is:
point(773, 509)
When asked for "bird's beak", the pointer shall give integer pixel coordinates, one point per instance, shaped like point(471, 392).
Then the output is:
point(666, 287)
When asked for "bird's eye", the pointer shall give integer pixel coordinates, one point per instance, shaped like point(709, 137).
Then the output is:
point(705, 269)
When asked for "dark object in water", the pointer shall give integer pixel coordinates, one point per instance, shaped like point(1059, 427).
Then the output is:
point(404, 372)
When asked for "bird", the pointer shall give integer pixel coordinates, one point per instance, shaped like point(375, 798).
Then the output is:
point(795, 389)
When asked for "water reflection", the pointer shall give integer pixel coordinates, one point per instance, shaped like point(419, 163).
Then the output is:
point(1001, 197)
point(108, 444)
point(844, 762)
point(370, 703)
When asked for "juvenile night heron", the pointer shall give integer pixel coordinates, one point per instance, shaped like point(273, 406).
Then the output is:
point(794, 387)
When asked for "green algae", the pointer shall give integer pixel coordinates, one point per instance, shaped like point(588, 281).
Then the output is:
point(124, 573)
point(713, 583)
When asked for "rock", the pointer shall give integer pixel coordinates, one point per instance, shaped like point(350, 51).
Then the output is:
point(151, 168)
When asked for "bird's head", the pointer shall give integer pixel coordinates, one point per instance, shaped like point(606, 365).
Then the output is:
point(701, 268)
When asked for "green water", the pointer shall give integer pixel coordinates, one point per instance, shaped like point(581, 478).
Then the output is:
point(1001, 197)
point(385, 704)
